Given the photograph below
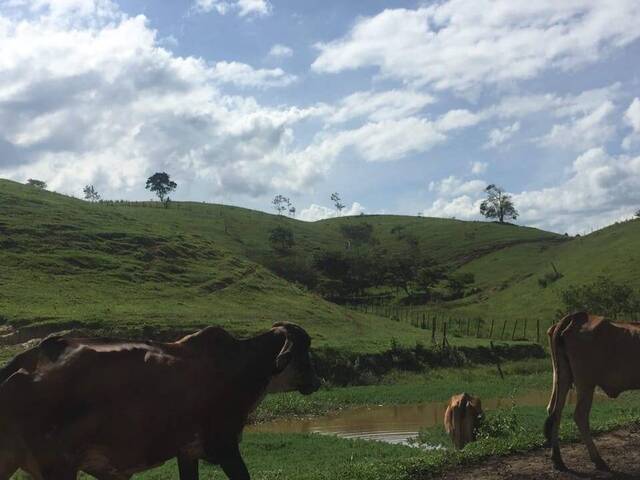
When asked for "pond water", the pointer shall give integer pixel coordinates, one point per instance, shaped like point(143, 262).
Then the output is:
point(391, 423)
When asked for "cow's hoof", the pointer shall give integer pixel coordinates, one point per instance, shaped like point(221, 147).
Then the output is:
point(559, 465)
point(602, 466)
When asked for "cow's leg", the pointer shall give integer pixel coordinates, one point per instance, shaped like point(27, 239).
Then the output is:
point(232, 463)
point(562, 384)
point(581, 417)
point(187, 468)
point(7, 470)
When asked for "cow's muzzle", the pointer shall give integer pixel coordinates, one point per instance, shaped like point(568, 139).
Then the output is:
point(310, 387)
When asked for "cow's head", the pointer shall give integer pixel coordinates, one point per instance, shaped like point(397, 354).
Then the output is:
point(293, 370)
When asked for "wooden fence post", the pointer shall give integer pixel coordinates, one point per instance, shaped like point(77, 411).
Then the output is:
point(478, 327)
point(468, 325)
point(433, 329)
point(524, 330)
point(491, 329)
point(513, 334)
point(538, 330)
point(504, 328)
point(445, 343)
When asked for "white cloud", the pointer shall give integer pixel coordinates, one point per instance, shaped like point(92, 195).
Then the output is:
point(632, 118)
point(466, 44)
point(99, 101)
point(632, 115)
point(581, 133)
point(280, 51)
point(453, 186)
point(599, 190)
point(455, 119)
point(390, 140)
point(380, 106)
point(243, 75)
point(478, 167)
point(243, 8)
point(498, 136)
point(570, 105)
point(319, 212)
point(463, 207)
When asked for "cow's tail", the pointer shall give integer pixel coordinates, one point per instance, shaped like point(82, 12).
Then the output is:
point(562, 375)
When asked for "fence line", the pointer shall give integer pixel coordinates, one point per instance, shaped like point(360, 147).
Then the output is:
point(443, 325)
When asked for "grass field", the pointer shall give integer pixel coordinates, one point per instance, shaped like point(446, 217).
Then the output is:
point(120, 267)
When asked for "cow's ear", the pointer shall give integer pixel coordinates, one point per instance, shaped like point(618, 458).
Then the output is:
point(284, 357)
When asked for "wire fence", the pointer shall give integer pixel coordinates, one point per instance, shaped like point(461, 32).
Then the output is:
point(444, 325)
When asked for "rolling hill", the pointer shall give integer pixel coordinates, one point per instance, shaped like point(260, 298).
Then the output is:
point(128, 266)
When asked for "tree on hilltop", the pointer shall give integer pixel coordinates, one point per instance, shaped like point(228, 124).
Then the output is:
point(160, 184)
point(283, 204)
point(32, 182)
point(90, 193)
point(498, 204)
point(337, 201)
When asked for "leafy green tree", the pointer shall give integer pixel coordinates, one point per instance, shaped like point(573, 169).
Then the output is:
point(602, 297)
point(90, 193)
point(337, 201)
point(160, 184)
point(428, 275)
point(458, 282)
point(358, 233)
point(638, 213)
point(32, 182)
point(402, 271)
point(282, 239)
point(498, 204)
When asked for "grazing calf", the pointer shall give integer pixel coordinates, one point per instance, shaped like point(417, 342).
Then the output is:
point(588, 352)
point(461, 418)
point(113, 408)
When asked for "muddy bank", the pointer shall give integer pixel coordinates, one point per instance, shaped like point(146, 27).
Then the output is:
point(620, 448)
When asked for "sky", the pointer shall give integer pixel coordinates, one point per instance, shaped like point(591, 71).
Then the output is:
point(402, 107)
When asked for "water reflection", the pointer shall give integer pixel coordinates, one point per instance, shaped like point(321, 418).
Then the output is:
point(392, 424)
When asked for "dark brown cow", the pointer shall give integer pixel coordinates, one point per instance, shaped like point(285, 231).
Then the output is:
point(461, 418)
point(588, 352)
point(113, 408)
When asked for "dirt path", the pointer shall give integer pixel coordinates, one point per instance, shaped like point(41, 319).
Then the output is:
point(620, 448)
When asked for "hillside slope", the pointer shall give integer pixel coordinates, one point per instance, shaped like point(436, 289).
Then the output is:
point(509, 278)
point(128, 265)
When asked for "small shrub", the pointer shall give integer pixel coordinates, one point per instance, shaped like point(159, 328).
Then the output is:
point(550, 277)
point(499, 424)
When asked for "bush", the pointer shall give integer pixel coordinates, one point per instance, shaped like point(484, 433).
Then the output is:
point(293, 269)
point(499, 423)
point(550, 277)
point(602, 297)
point(281, 239)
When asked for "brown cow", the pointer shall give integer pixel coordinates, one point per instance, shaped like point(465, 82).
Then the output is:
point(461, 418)
point(588, 352)
point(113, 408)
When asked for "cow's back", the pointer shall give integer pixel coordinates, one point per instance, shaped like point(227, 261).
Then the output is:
point(119, 405)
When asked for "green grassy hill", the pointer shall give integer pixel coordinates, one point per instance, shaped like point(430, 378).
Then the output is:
point(126, 266)
point(509, 278)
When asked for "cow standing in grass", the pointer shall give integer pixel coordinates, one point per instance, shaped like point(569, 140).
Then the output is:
point(587, 352)
point(113, 408)
point(461, 418)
